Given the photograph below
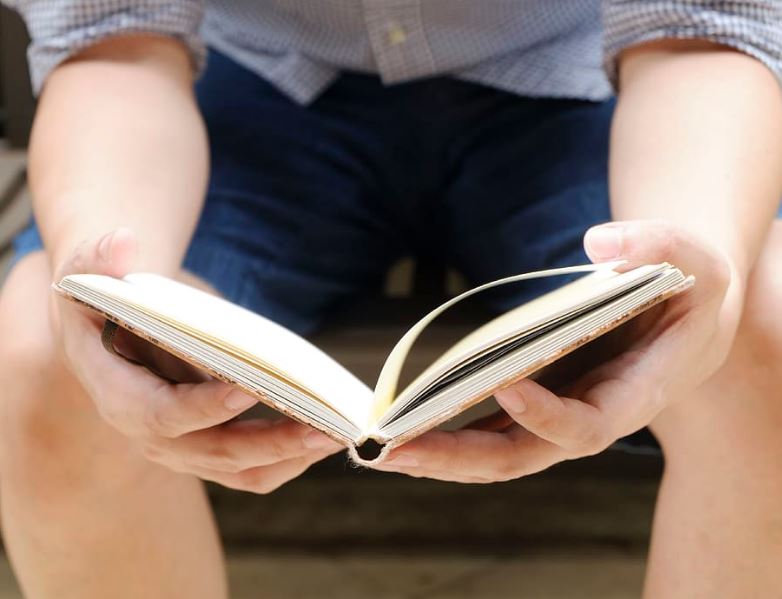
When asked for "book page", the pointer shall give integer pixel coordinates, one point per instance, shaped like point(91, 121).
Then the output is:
point(386, 388)
point(593, 288)
point(254, 338)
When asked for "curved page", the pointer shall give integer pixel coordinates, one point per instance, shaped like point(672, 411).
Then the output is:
point(386, 388)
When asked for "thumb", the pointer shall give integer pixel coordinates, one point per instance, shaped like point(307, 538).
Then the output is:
point(655, 241)
point(112, 255)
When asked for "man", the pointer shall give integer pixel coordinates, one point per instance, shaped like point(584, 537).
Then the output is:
point(342, 135)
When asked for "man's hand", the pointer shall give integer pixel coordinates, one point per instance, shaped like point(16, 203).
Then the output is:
point(672, 349)
point(186, 427)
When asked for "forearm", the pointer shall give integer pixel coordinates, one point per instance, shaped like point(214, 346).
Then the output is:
point(118, 141)
point(697, 140)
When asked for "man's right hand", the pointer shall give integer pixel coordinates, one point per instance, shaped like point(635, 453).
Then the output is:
point(187, 427)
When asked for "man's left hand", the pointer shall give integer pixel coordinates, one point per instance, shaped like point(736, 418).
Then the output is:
point(672, 350)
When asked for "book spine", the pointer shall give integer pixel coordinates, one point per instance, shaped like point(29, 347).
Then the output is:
point(370, 450)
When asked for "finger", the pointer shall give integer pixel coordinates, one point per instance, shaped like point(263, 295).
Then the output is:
point(631, 390)
point(577, 427)
point(119, 389)
point(263, 479)
point(654, 241)
point(450, 477)
point(242, 445)
point(175, 410)
point(475, 455)
point(498, 421)
point(161, 362)
point(112, 254)
point(138, 403)
point(690, 323)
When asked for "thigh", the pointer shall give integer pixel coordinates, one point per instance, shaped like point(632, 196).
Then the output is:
point(295, 219)
point(527, 192)
point(293, 223)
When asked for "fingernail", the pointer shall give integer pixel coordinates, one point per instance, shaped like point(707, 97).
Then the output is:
point(512, 400)
point(104, 246)
point(604, 242)
point(401, 459)
point(317, 440)
point(237, 401)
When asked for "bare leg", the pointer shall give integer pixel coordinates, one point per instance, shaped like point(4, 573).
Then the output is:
point(718, 526)
point(84, 514)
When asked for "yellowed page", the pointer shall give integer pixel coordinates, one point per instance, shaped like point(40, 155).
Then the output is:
point(244, 334)
point(386, 388)
point(525, 318)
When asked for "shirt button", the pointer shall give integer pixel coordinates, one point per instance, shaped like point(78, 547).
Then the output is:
point(396, 35)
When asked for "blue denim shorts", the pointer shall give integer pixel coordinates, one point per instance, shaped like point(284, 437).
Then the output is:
point(308, 206)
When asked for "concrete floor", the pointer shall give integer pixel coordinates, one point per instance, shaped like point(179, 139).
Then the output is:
point(395, 577)
point(578, 531)
point(437, 578)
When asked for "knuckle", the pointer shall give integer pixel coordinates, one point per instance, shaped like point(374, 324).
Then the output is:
point(656, 399)
point(590, 441)
point(452, 463)
point(448, 456)
point(276, 450)
point(508, 469)
point(171, 461)
point(255, 480)
point(631, 362)
point(200, 402)
point(667, 240)
point(223, 459)
point(265, 487)
point(545, 421)
point(209, 410)
point(111, 416)
point(156, 423)
point(282, 441)
point(151, 452)
point(78, 261)
point(661, 239)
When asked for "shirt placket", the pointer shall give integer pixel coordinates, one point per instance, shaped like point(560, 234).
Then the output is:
point(398, 39)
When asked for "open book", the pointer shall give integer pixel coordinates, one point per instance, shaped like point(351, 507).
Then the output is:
point(291, 375)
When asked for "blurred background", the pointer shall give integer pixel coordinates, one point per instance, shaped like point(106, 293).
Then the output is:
point(578, 530)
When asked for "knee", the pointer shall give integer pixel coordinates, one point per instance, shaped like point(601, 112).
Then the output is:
point(42, 403)
point(35, 384)
point(29, 364)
